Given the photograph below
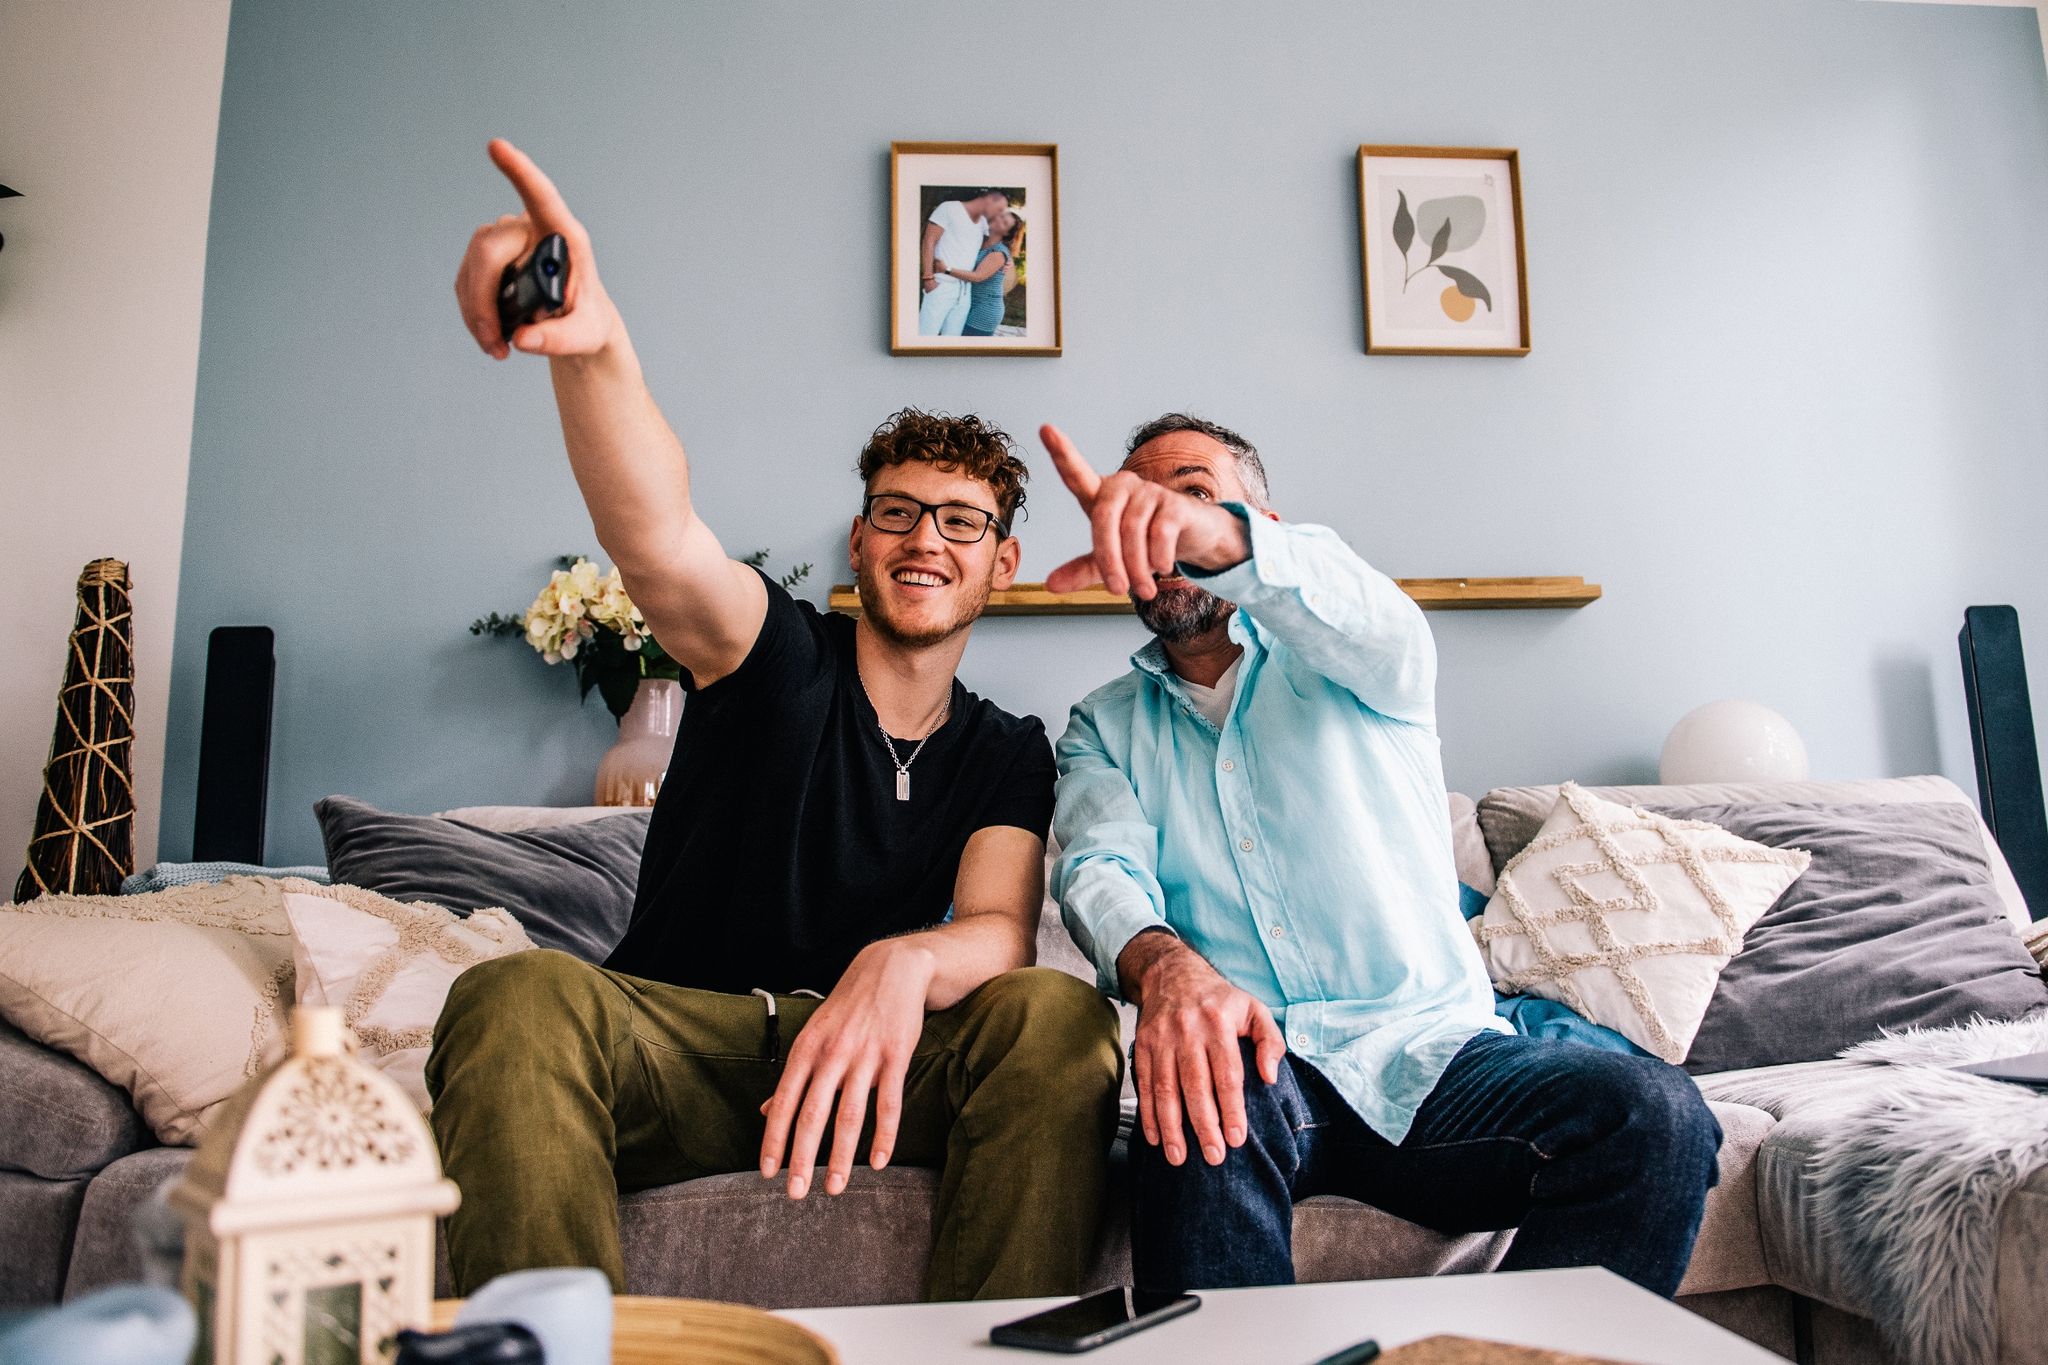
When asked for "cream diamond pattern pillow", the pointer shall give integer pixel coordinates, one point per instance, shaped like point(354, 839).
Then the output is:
point(388, 965)
point(1628, 917)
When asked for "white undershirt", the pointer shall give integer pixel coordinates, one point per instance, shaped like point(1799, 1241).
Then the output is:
point(1214, 702)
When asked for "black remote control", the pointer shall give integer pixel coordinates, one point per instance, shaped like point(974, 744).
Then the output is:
point(534, 286)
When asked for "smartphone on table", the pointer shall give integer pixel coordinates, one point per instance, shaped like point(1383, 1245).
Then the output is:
point(1093, 1321)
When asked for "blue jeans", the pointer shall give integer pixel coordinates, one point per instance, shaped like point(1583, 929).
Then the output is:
point(1596, 1158)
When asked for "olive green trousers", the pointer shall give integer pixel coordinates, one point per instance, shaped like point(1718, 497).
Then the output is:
point(558, 1085)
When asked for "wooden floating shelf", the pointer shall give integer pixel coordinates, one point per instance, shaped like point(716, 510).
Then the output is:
point(1483, 594)
point(1432, 594)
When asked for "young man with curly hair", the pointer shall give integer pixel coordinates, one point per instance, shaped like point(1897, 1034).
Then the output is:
point(830, 950)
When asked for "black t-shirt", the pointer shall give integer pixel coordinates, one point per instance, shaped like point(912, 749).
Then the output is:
point(778, 850)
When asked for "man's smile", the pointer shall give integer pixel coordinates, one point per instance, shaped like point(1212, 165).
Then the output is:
point(920, 579)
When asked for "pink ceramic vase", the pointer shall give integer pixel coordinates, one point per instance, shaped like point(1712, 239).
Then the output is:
point(631, 770)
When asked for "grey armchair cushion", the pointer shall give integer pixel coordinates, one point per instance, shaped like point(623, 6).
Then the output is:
point(730, 1237)
point(740, 1238)
point(1895, 925)
point(104, 1251)
point(1341, 1239)
point(37, 1215)
point(62, 1120)
point(570, 886)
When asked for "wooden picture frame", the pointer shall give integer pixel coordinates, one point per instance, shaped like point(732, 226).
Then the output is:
point(949, 181)
point(1449, 218)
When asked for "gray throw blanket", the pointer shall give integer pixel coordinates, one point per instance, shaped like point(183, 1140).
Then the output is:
point(1904, 1190)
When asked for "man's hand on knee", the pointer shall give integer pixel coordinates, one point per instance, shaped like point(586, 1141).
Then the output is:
point(1186, 1058)
point(859, 1042)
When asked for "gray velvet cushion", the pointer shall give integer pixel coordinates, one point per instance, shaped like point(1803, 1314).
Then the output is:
point(730, 1237)
point(37, 1215)
point(1341, 1239)
point(58, 1118)
point(104, 1251)
point(569, 886)
point(733, 1237)
point(1896, 924)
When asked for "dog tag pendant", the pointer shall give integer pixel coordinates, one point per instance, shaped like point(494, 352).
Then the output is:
point(902, 784)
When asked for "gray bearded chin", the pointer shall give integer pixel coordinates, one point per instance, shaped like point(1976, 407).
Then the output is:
point(1178, 615)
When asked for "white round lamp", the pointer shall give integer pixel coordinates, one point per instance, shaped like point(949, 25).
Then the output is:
point(1732, 741)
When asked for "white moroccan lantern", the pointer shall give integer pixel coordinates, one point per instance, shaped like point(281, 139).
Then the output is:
point(310, 1212)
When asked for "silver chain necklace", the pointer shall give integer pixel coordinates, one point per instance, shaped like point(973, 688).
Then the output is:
point(903, 765)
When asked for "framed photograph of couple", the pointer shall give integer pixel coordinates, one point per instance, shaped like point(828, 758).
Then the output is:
point(1441, 233)
point(974, 248)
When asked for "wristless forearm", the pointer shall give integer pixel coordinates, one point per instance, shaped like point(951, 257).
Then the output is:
point(1227, 543)
point(968, 953)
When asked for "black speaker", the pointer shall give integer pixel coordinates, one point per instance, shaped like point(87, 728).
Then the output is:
point(234, 746)
point(2002, 738)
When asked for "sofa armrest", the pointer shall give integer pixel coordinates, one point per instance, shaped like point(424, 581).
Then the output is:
point(2023, 1273)
point(1729, 1253)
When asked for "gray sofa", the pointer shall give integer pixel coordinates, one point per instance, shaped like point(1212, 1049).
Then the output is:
point(76, 1162)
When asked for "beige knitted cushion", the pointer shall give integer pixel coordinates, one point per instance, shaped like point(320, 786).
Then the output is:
point(1628, 917)
point(388, 966)
point(176, 996)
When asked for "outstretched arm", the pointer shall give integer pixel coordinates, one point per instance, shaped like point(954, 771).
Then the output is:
point(704, 608)
point(1347, 620)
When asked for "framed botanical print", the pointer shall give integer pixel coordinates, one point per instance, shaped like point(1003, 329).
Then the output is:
point(974, 248)
point(1441, 233)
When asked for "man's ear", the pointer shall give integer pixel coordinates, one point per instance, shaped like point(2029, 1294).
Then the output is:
point(1009, 555)
point(853, 546)
point(1268, 513)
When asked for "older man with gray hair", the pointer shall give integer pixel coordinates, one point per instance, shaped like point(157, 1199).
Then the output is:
point(1257, 854)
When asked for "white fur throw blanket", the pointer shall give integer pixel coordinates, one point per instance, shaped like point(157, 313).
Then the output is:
point(1907, 1185)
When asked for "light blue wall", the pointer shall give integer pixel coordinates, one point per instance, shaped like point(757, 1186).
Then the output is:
point(1788, 288)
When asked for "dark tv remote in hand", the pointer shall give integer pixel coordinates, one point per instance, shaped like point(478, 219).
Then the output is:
point(533, 286)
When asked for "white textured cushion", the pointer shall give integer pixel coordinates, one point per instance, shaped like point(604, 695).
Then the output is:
point(177, 996)
point(1628, 917)
point(388, 966)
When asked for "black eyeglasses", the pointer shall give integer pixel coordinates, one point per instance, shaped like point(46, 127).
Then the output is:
point(962, 523)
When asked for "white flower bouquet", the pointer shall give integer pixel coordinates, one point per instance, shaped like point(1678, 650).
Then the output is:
point(575, 605)
point(585, 619)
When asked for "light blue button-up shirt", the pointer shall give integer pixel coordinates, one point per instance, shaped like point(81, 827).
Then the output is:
point(1305, 848)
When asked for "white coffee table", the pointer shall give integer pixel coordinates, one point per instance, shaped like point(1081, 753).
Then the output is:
point(1592, 1312)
